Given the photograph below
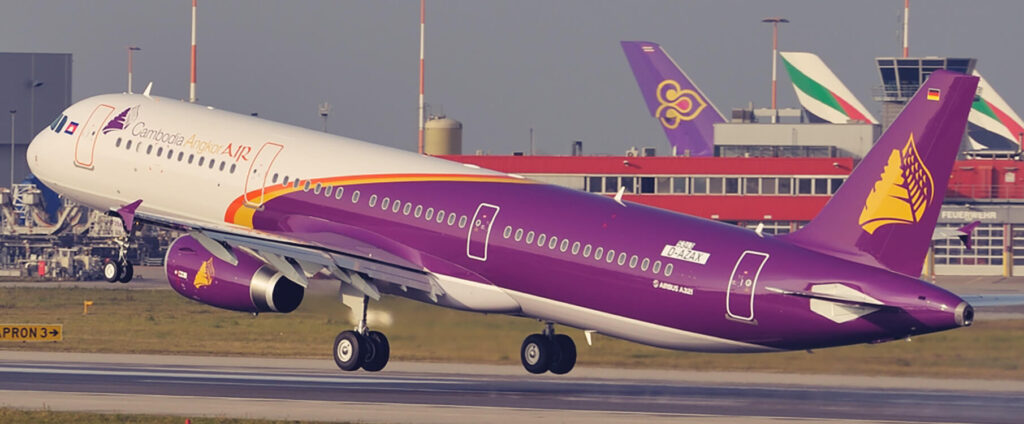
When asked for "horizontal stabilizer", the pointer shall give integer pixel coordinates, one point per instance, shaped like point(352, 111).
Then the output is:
point(831, 297)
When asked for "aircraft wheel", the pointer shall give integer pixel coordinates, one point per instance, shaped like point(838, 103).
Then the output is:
point(566, 358)
point(377, 356)
point(111, 270)
point(127, 272)
point(536, 353)
point(348, 350)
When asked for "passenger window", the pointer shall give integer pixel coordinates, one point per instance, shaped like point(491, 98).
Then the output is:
point(646, 263)
point(622, 259)
point(116, 143)
point(564, 246)
point(316, 188)
point(273, 180)
point(462, 221)
point(212, 162)
point(221, 168)
point(529, 237)
point(181, 155)
point(328, 190)
point(201, 160)
point(668, 270)
point(657, 267)
point(429, 215)
point(285, 182)
point(507, 233)
point(170, 153)
point(149, 149)
point(576, 248)
point(407, 209)
point(190, 156)
point(295, 184)
point(552, 242)
point(541, 239)
point(419, 211)
point(610, 256)
point(396, 206)
point(451, 219)
point(519, 234)
point(586, 251)
point(384, 203)
point(305, 187)
point(633, 261)
point(440, 216)
point(355, 196)
point(128, 145)
point(598, 253)
point(339, 193)
point(373, 201)
point(159, 152)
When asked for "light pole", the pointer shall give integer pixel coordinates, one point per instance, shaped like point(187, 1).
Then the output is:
point(775, 21)
point(324, 109)
point(13, 111)
point(130, 50)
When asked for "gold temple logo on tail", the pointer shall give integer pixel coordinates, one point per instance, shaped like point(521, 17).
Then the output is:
point(902, 193)
point(204, 276)
point(677, 105)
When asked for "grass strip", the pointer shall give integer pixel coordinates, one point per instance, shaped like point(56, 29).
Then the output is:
point(162, 322)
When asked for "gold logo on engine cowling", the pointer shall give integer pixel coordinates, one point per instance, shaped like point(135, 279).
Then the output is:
point(902, 193)
point(204, 276)
point(677, 105)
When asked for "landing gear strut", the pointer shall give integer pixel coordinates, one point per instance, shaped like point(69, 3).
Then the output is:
point(361, 348)
point(548, 352)
point(119, 268)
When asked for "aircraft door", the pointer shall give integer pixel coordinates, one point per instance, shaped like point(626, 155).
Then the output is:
point(85, 145)
point(739, 297)
point(480, 231)
point(256, 180)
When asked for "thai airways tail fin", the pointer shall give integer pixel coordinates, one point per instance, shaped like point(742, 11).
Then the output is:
point(821, 93)
point(683, 111)
point(993, 124)
point(885, 212)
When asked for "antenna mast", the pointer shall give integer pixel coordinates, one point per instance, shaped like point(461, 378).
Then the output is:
point(192, 83)
point(422, 36)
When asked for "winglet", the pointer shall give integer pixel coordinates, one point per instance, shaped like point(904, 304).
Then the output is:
point(967, 231)
point(127, 214)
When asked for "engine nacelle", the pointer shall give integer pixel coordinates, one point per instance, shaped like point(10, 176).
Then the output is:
point(250, 286)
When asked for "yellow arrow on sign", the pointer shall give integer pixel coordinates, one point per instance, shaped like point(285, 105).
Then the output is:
point(31, 332)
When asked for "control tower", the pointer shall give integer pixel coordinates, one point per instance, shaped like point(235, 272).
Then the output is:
point(901, 76)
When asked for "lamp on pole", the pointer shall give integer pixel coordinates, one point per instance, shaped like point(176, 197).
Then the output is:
point(13, 111)
point(775, 21)
point(130, 50)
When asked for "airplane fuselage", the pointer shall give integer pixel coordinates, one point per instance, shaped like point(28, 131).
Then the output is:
point(495, 242)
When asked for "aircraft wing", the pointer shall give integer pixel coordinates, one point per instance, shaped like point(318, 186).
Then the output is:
point(307, 245)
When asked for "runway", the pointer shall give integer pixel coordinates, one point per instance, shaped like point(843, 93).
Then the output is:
point(412, 392)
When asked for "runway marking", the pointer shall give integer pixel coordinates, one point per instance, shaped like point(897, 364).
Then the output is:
point(250, 377)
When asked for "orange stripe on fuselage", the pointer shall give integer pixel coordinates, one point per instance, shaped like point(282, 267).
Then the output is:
point(238, 213)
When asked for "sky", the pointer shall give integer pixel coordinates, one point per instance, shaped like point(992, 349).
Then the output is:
point(499, 67)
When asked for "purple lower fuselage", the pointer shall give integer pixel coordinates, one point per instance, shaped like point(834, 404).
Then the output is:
point(636, 281)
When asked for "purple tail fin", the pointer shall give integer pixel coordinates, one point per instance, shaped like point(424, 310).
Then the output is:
point(966, 237)
point(885, 212)
point(683, 111)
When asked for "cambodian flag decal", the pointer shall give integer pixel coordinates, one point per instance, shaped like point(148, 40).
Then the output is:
point(71, 128)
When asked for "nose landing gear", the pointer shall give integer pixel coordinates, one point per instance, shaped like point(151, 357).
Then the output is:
point(548, 352)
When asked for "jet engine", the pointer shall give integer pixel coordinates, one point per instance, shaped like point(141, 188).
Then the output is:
point(249, 286)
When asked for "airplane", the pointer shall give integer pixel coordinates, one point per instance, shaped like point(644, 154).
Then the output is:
point(683, 111)
point(992, 123)
point(824, 97)
point(268, 205)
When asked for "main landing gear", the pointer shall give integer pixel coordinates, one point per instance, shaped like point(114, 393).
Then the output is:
point(361, 348)
point(118, 269)
point(548, 352)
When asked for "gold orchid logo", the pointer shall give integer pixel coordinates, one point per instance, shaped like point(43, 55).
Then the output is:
point(902, 193)
point(204, 276)
point(677, 105)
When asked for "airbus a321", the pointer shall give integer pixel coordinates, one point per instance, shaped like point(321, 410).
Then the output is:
point(267, 205)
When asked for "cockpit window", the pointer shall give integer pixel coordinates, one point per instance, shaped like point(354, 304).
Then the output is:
point(58, 124)
point(53, 125)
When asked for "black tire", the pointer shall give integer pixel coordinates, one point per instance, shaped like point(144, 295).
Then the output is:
point(536, 353)
point(111, 270)
point(376, 358)
point(127, 272)
point(348, 350)
point(566, 358)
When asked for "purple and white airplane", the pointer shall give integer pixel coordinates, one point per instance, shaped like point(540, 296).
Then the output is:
point(681, 108)
point(268, 205)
